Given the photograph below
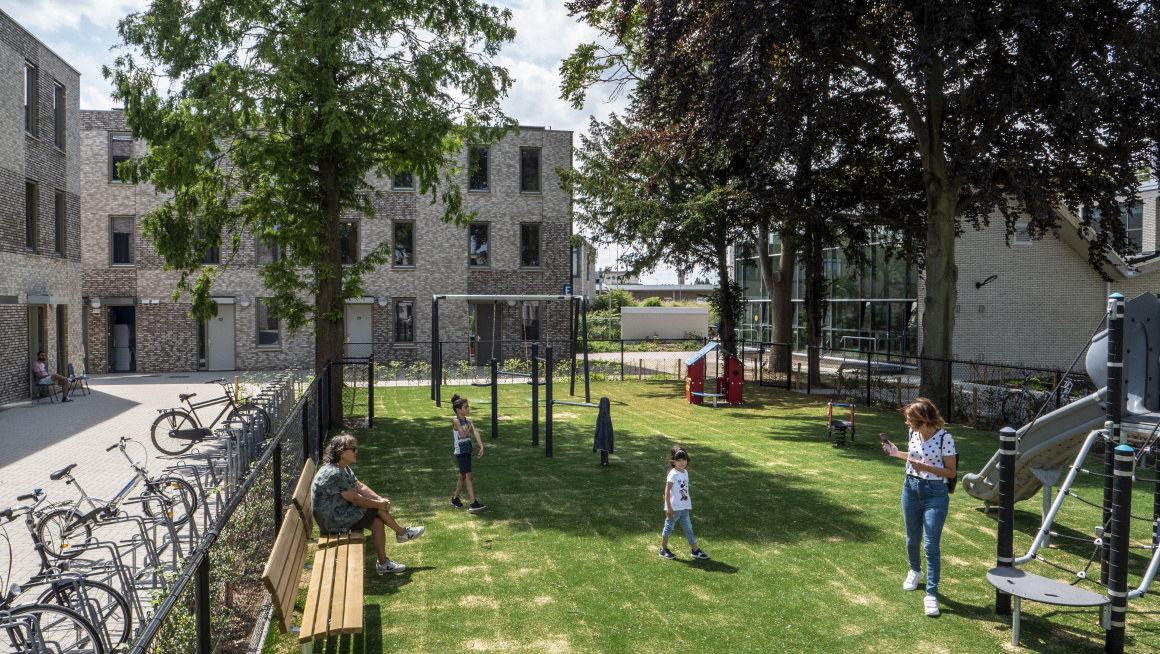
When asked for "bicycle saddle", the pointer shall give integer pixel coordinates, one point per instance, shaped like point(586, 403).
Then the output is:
point(62, 472)
point(185, 396)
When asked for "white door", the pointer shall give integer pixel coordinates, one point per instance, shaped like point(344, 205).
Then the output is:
point(359, 334)
point(220, 339)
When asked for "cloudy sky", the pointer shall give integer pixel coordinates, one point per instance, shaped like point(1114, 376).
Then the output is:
point(83, 31)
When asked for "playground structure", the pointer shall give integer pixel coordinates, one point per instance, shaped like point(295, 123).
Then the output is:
point(837, 429)
point(1129, 399)
point(728, 386)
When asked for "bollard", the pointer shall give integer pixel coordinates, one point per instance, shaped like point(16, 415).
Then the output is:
point(494, 398)
point(547, 405)
point(1115, 400)
point(536, 393)
point(1118, 555)
point(1006, 553)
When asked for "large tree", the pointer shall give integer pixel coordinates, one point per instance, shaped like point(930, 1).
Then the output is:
point(1019, 108)
point(269, 116)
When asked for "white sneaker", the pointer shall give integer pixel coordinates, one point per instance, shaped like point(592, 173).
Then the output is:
point(912, 579)
point(409, 534)
point(389, 566)
point(930, 602)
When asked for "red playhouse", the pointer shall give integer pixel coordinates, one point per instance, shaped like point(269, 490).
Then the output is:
point(728, 386)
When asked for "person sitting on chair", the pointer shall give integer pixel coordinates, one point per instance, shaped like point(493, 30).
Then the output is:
point(40, 372)
point(342, 503)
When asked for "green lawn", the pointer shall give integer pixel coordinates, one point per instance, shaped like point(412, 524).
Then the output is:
point(807, 540)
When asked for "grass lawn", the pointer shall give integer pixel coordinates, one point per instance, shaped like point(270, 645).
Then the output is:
point(807, 540)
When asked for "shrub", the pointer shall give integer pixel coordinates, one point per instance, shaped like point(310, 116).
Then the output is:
point(652, 302)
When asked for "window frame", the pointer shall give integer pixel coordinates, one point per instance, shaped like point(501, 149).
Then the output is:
point(575, 261)
point(60, 216)
point(397, 304)
point(486, 250)
point(31, 216)
point(539, 246)
point(472, 155)
point(113, 178)
point(59, 116)
point(31, 99)
point(132, 247)
point(395, 225)
point(261, 304)
point(259, 244)
point(539, 171)
point(357, 240)
point(395, 186)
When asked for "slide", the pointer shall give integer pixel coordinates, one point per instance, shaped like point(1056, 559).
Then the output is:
point(1052, 443)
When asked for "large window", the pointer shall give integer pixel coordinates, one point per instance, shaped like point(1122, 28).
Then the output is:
point(348, 242)
point(404, 245)
point(120, 149)
point(403, 181)
point(268, 333)
point(213, 256)
point(31, 191)
point(575, 262)
point(1134, 219)
point(58, 116)
point(477, 244)
point(266, 252)
point(530, 246)
point(61, 237)
point(404, 321)
point(477, 170)
point(30, 95)
point(121, 240)
point(530, 324)
point(529, 170)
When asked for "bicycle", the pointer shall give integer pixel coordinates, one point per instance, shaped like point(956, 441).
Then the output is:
point(1020, 403)
point(99, 603)
point(177, 430)
point(60, 528)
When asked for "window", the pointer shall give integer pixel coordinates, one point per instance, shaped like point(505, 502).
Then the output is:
point(30, 95)
point(268, 333)
point(1134, 223)
point(58, 116)
point(404, 245)
point(477, 170)
point(403, 181)
point(121, 240)
point(1022, 236)
point(575, 262)
point(349, 242)
point(267, 253)
point(529, 246)
point(61, 225)
point(30, 209)
point(213, 256)
point(477, 237)
point(120, 149)
point(530, 325)
point(529, 170)
point(404, 321)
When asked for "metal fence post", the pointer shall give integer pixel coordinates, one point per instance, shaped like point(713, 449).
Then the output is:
point(536, 393)
point(494, 397)
point(202, 608)
point(547, 407)
point(869, 374)
point(371, 394)
point(621, 359)
point(809, 368)
point(788, 367)
point(277, 470)
point(950, 390)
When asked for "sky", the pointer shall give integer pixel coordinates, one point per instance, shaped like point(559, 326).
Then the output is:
point(82, 32)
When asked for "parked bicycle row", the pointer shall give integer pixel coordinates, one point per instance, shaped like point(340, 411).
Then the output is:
point(100, 561)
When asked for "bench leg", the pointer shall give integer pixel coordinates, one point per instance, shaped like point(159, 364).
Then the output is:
point(1014, 621)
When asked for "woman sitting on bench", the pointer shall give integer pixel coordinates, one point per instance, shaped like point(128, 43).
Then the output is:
point(341, 503)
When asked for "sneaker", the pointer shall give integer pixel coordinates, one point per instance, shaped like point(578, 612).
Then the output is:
point(912, 579)
point(475, 506)
point(389, 566)
point(66, 399)
point(666, 554)
point(699, 553)
point(455, 502)
point(409, 534)
point(930, 603)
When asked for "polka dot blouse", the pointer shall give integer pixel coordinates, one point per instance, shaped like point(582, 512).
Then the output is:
point(931, 452)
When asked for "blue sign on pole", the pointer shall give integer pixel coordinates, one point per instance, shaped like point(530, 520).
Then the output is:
point(567, 289)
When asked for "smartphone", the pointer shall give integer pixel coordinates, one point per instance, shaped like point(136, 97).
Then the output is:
point(883, 437)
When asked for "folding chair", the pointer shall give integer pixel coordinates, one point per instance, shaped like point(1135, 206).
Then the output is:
point(837, 429)
point(78, 381)
point(44, 384)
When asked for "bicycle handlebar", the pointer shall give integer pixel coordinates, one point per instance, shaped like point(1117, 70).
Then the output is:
point(218, 381)
point(112, 447)
point(29, 496)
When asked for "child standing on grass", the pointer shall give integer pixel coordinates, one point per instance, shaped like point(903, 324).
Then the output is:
point(462, 429)
point(678, 505)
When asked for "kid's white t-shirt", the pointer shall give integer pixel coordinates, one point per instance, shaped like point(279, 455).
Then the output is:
point(679, 493)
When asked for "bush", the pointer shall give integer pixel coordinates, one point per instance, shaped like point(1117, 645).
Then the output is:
point(652, 302)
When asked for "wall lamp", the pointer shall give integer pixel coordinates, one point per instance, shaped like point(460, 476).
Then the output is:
point(95, 302)
point(383, 302)
point(245, 301)
point(986, 281)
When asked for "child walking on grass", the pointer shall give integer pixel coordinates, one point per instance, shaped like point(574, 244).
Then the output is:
point(462, 429)
point(678, 505)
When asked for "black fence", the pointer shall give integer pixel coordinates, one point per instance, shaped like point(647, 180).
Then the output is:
point(215, 600)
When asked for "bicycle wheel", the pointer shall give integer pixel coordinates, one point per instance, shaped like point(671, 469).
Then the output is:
point(171, 494)
point(60, 630)
point(1015, 408)
point(169, 421)
point(61, 535)
point(100, 604)
point(250, 412)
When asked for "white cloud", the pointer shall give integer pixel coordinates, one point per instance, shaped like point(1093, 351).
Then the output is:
point(51, 16)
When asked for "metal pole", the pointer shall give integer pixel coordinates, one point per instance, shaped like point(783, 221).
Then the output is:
point(1114, 403)
point(371, 393)
point(584, 322)
point(621, 357)
point(1120, 528)
point(277, 470)
point(548, 406)
point(536, 394)
point(494, 397)
point(869, 376)
point(1005, 557)
point(809, 367)
point(1156, 502)
point(575, 332)
point(434, 347)
point(202, 607)
point(950, 390)
point(788, 367)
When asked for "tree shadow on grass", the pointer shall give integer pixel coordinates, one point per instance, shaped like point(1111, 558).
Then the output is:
point(370, 641)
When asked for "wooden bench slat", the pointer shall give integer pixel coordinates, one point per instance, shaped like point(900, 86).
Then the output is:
point(289, 593)
point(302, 495)
point(313, 605)
point(280, 576)
point(353, 620)
point(325, 591)
point(338, 593)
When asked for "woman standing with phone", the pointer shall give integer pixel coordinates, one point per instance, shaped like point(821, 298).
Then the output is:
point(931, 462)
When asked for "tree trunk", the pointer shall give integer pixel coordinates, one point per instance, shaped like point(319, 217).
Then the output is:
point(779, 284)
point(727, 334)
point(938, 317)
point(815, 298)
point(329, 330)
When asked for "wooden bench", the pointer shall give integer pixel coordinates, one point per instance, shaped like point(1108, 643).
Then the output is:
point(334, 599)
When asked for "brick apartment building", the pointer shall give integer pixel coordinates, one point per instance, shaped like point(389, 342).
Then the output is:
point(40, 299)
point(518, 245)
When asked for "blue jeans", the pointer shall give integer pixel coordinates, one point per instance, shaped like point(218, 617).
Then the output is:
point(681, 516)
point(924, 508)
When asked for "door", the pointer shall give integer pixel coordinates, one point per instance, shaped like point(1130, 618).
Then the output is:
point(220, 339)
point(487, 332)
point(122, 338)
point(36, 338)
point(359, 334)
